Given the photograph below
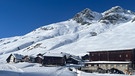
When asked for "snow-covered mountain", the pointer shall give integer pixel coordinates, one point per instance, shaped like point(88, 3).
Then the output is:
point(86, 31)
point(117, 15)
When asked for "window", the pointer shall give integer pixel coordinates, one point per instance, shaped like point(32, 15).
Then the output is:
point(96, 65)
point(87, 65)
point(92, 54)
point(120, 56)
point(120, 65)
point(109, 65)
point(114, 65)
point(92, 64)
point(126, 55)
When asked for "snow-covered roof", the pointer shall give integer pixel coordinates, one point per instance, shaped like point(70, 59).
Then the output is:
point(53, 54)
point(116, 49)
point(76, 58)
point(41, 57)
point(109, 62)
point(18, 56)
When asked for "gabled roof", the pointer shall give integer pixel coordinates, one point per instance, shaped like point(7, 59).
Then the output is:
point(76, 58)
point(40, 57)
point(18, 56)
point(48, 54)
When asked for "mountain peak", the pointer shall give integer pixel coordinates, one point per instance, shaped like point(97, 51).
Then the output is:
point(86, 11)
point(86, 16)
point(117, 15)
point(114, 15)
point(118, 9)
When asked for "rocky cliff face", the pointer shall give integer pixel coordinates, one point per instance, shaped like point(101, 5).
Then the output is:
point(112, 16)
point(87, 16)
point(116, 15)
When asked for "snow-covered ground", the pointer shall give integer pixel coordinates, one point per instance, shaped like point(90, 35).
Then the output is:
point(33, 69)
point(87, 31)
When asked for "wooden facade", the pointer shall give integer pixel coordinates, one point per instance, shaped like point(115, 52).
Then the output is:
point(39, 59)
point(26, 58)
point(50, 60)
point(54, 59)
point(113, 55)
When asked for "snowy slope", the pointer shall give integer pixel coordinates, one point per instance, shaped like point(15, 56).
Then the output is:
point(32, 69)
point(120, 37)
point(86, 31)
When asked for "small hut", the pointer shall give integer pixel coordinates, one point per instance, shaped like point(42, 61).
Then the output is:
point(39, 59)
point(73, 60)
point(85, 57)
point(26, 58)
point(14, 58)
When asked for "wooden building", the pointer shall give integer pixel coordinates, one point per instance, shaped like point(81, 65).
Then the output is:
point(112, 59)
point(85, 57)
point(26, 58)
point(39, 59)
point(54, 59)
point(14, 58)
point(73, 60)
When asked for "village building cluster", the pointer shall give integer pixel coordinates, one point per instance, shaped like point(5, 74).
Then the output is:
point(47, 59)
point(107, 61)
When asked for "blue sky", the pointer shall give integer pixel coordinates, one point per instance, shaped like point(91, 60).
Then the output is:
point(19, 17)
